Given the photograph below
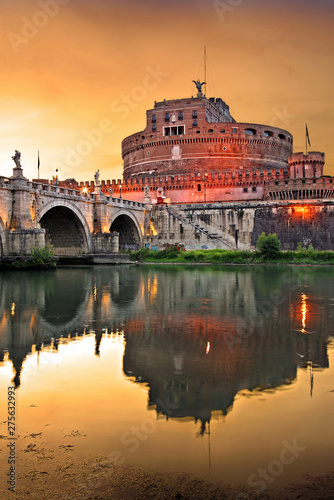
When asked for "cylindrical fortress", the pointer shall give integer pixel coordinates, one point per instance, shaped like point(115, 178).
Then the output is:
point(199, 136)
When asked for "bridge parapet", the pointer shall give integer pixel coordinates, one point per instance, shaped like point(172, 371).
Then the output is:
point(128, 203)
point(56, 189)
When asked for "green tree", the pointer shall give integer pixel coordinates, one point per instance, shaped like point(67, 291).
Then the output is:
point(268, 246)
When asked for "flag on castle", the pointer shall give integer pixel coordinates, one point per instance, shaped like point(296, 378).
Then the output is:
point(307, 136)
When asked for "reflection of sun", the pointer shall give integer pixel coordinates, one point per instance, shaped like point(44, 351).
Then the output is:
point(304, 311)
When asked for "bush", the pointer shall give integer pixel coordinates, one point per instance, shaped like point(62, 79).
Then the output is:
point(142, 254)
point(42, 256)
point(268, 246)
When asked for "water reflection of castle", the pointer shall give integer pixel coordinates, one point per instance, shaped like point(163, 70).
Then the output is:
point(195, 337)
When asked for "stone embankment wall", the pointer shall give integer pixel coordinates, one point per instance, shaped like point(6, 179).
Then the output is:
point(238, 226)
point(307, 223)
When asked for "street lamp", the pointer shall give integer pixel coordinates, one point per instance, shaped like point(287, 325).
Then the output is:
point(120, 190)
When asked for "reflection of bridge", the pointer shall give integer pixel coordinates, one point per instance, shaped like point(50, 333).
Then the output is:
point(73, 221)
point(195, 337)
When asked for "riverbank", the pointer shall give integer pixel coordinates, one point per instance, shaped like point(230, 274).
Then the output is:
point(96, 477)
point(26, 264)
point(177, 255)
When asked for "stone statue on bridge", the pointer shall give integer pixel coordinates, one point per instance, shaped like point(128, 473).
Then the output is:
point(17, 159)
point(147, 191)
point(97, 177)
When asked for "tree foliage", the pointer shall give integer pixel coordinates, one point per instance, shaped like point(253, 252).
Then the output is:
point(268, 246)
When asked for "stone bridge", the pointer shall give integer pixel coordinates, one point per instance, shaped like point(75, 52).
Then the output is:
point(75, 222)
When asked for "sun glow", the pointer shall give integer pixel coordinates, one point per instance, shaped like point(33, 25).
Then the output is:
point(153, 230)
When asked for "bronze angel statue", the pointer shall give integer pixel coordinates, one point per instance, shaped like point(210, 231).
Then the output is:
point(199, 84)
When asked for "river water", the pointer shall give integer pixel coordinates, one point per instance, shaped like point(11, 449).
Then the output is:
point(220, 371)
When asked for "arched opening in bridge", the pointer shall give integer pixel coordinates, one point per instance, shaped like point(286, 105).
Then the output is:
point(129, 238)
point(64, 231)
point(64, 301)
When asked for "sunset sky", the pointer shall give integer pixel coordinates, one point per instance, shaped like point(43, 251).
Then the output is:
point(77, 76)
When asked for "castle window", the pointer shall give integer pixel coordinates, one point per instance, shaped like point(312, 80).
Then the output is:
point(210, 131)
point(154, 128)
point(194, 123)
point(166, 117)
point(281, 136)
point(254, 189)
point(250, 131)
point(174, 130)
point(267, 133)
point(245, 190)
point(222, 131)
point(199, 187)
point(198, 131)
point(194, 113)
point(154, 118)
point(224, 148)
point(180, 115)
point(234, 130)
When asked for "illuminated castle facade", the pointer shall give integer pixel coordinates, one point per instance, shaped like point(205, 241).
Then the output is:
point(193, 151)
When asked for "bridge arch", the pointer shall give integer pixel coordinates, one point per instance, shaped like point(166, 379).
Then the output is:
point(66, 228)
point(128, 227)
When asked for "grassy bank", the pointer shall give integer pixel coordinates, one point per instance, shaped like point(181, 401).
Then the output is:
point(218, 256)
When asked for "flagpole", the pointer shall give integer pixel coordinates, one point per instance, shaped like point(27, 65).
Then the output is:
point(38, 166)
point(306, 138)
point(205, 70)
